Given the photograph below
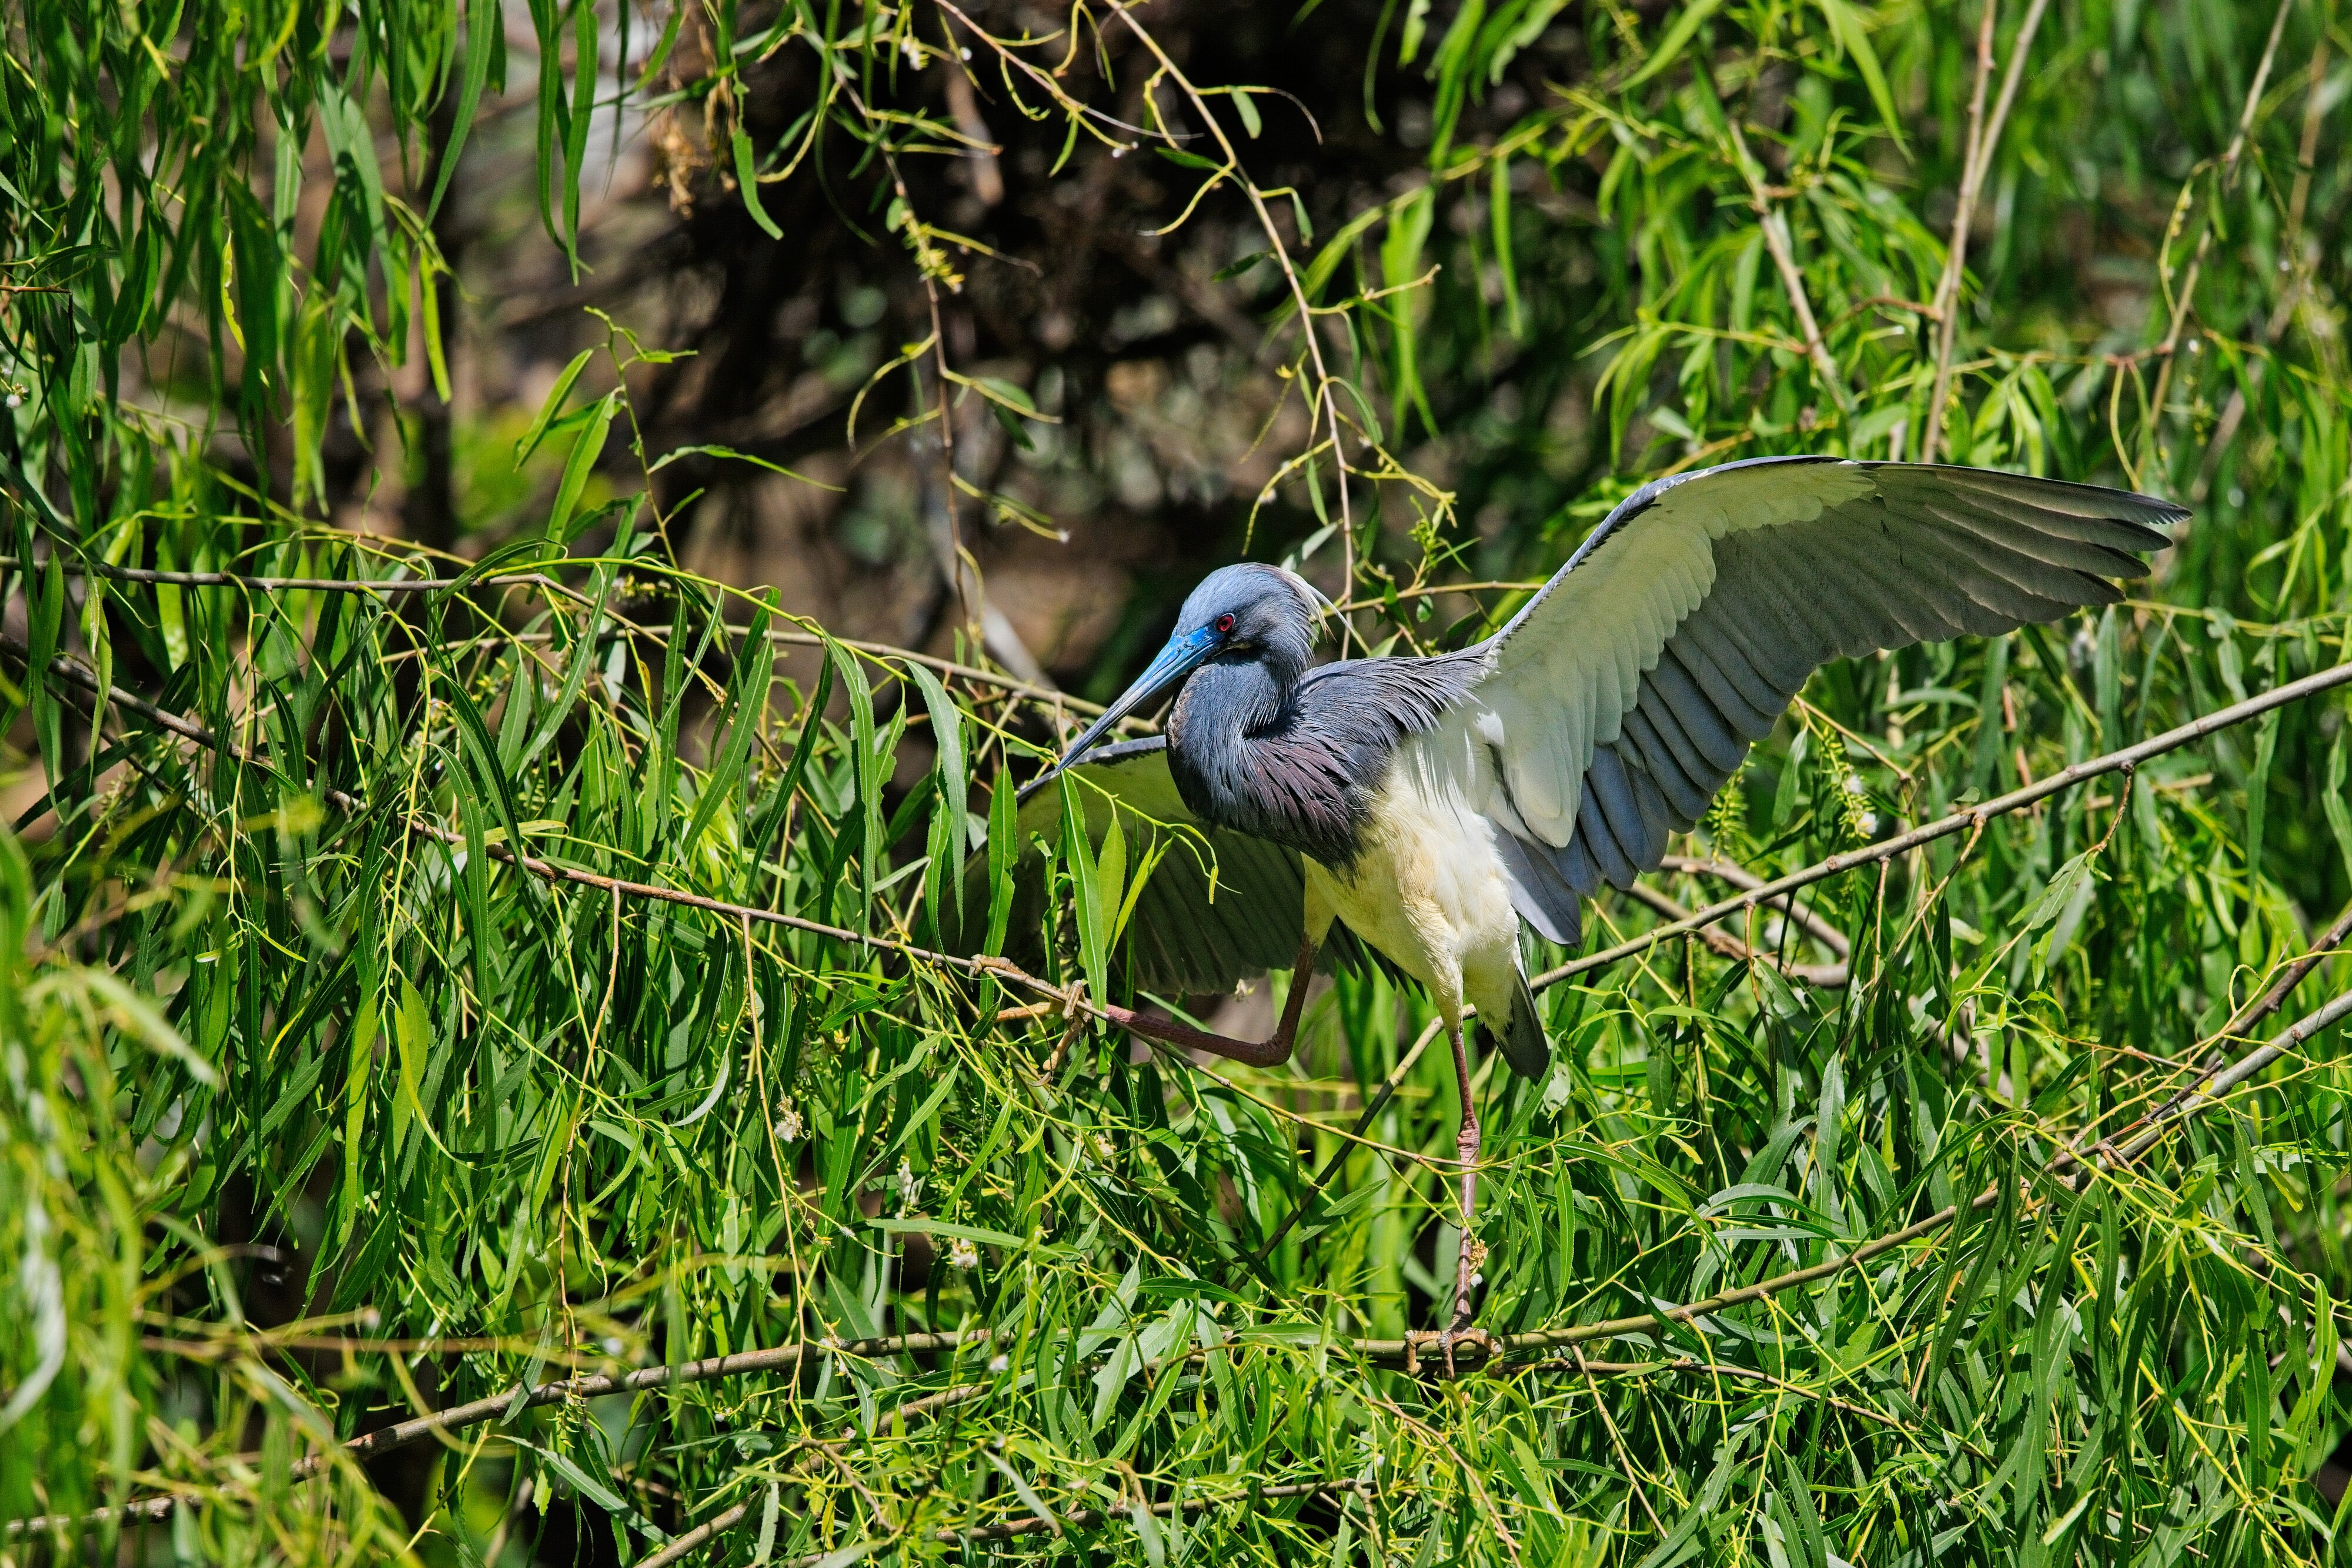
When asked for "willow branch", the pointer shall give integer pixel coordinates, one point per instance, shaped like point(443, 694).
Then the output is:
point(1775, 224)
point(2325, 946)
point(717, 1524)
point(2212, 1088)
point(1011, 1528)
point(529, 1397)
point(1088, 1518)
point(1983, 137)
point(405, 585)
point(1761, 895)
point(1004, 970)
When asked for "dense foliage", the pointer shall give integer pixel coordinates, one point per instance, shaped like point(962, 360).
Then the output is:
point(432, 994)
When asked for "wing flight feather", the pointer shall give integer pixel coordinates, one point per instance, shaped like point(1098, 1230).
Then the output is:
point(1630, 687)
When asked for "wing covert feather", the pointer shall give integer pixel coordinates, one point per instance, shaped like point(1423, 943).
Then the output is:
point(1184, 936)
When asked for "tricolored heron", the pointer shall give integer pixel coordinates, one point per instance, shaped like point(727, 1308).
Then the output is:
point(1430, 805)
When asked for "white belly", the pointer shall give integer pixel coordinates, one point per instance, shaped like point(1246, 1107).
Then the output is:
point(1428, 892)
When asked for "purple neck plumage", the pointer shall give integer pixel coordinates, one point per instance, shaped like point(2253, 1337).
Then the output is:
point(1246, 754)
point(1299, 758)
point(1259, 744)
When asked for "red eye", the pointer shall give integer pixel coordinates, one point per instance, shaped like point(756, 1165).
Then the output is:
point(1225, 621)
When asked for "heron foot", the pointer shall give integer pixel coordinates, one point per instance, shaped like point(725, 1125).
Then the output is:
point(1445, 1340)
point(1467, 1275)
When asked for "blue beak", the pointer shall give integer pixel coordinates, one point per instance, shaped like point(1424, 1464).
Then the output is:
point(1185, 652)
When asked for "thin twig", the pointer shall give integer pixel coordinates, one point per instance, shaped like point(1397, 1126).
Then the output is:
point(1940, 309)
point(1775, 224)
point(2324, 947)
point(1348, 1144)
point(1324, 394)
point(286, 584)
point(929, 267)
point(717, 1524)
point(1813, 924)
point(400, 585)
point(1054, 89)
point(540, 579)
point(1076, 1518)
point(1088, 1518)
point(1978, 163)
point(1617, 1441)
point(1827, 977)
point(1433, 590)
point(1751, 1375)
point(417, 1429)
point(2292, 249)
point(2211, 1084)
point(1051, 697)
point(2169, 350)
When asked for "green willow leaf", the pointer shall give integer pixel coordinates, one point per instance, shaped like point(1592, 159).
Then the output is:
point(585, 450)
point(312, 1102)
point(551, 405)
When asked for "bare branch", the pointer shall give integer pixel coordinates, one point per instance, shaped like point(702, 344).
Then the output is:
point(1784, 260)
point(1983, 137)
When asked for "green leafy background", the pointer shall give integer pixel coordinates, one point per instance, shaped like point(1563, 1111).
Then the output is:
point(319, 1112)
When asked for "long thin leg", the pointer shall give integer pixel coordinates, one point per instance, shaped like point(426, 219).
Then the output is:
point(1465, 1146)
point(1269, 1052)
point(1474, 1251)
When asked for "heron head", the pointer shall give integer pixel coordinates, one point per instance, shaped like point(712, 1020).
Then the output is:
point(1248, 612)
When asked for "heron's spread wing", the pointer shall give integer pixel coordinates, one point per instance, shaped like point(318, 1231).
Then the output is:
point(1184, 934)
point(1630, 687)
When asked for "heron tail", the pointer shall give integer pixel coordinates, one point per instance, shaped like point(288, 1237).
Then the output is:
point(1523, 1039)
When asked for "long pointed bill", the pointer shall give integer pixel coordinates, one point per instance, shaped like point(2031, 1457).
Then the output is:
point(1182, 655)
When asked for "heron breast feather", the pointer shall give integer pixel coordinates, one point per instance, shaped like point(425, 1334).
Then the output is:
point(1428, 888)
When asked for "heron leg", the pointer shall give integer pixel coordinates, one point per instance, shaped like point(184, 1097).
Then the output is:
point(1272, 1051)
point(1459, 1330)
point(1474, 1251)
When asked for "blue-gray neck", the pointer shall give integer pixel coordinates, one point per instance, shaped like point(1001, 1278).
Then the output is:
point(1262, 747)
point(1242, 759)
